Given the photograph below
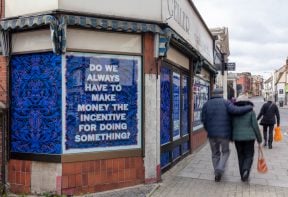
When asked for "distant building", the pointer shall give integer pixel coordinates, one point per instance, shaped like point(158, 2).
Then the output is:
point(281, 87)
point(257, 85)
point(232, 85)
point(268, 89)
point(221, 35)
point(244, 83)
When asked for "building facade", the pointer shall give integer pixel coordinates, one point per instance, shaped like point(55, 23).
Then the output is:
point(102, 97)
point(244, 83)
point(257, 85)
point(232, 85)
point(221, 35)
point(268, 90)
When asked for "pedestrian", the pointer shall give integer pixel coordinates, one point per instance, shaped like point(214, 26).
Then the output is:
point(269, 110)
point(245, 131)
point(216, 118)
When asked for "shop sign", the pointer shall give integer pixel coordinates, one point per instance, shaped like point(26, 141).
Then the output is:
point(180, 16)
point(103, 102)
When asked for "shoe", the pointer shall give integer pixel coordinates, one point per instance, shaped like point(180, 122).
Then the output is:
point(265, 144)
point(245, 176)
point(218, 178)
point(270, 146)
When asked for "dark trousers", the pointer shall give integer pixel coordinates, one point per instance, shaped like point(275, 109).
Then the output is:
point(265, 128)
point(245, 152)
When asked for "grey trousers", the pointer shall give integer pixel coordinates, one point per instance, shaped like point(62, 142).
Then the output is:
point(220, 154)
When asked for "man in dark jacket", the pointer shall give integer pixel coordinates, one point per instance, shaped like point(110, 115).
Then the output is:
point(269, 110)
point(216, 118)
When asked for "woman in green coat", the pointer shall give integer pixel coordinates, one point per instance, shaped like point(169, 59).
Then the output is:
point(245, 131)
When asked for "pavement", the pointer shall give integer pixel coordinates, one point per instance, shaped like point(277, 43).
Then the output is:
point(193, 176)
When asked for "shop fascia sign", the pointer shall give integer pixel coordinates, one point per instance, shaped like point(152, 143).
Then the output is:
point(181, 17)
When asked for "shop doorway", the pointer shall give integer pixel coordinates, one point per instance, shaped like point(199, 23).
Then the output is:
point(174, 128)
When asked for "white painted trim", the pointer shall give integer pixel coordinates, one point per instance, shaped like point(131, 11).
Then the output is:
point(15, 8)
point(104, 41)
point(39, 40)
point(177, 57)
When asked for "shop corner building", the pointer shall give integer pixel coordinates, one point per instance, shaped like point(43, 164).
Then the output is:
point(102, 95)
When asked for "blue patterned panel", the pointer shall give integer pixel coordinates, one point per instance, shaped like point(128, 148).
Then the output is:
point(103, 108)
point(176, 152)
point(176, 106)
point(36, 104)
point(185, 147)
point(185, 106)
point(165, 124)
point(165, 159)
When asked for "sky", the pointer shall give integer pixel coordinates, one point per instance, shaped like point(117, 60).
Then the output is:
point(258, 31)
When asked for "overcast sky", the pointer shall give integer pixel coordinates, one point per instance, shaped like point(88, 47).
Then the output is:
point(258, 31)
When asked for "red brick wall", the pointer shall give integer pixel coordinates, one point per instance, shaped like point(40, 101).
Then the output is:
point(19, 176)
point(101, 175)
point(198, 138)
point(245, 81)
point(3, 79)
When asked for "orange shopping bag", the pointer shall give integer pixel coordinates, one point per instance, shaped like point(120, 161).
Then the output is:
point(278, 135)
point(261, 164)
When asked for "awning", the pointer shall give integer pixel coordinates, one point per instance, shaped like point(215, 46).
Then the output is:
point(6, 26)
point(111, 25)
point(27, 22)
point(58, 27)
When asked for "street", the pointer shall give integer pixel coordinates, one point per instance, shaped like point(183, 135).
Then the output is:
point(194, 175)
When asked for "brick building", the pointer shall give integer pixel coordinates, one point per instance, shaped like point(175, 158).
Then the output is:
point(102, 95)
point(244, 83)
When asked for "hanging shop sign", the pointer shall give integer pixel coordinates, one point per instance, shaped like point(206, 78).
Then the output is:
point(103, 102)
point(230, 66)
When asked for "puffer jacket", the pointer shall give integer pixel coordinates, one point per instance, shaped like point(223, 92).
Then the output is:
point(269, 114)
point(245, 127)
point(216, 116)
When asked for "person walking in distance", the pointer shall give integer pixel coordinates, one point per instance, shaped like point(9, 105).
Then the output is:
point(216, 118)
point(269, 110)
point(245, 131)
